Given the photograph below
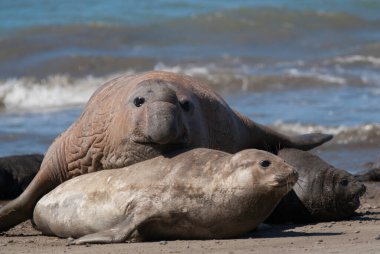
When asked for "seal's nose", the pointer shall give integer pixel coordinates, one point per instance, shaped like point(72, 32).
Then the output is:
point(164, 123)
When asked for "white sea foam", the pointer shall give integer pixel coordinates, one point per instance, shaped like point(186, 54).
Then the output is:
point(189, 70)
point(54, 91)
point(62, 90)
point(369, 133)
point(358, 59)
point(327, 78)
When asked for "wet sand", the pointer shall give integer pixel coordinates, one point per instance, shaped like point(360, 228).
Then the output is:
point(357, 235)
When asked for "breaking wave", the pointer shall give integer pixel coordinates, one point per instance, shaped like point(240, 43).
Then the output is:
point(366, 133)
point(63, 90)
point(54, 91)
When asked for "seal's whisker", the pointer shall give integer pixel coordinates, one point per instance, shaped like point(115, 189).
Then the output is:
point(300, 186)
point(301, 180)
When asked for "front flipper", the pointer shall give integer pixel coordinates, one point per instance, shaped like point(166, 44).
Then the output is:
point(117, 234)
point(265, 138)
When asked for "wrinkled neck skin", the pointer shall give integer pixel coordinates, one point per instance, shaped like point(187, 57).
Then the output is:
point(262, 137)
point(224, 129)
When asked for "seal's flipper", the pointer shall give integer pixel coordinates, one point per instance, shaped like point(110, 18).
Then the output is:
point(265, 138)
point(310, 141)
point(117, 234)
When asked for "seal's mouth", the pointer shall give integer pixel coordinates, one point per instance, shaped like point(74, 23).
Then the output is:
point(355, 199)
point(182, 142)
point(287, 183)
point(282, 181)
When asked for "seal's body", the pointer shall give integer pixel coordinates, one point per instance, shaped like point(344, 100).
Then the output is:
point(16, 172)
point(134, 118)
point(322, 193)
point(198, 194)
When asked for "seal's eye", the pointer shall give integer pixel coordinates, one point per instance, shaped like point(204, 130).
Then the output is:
point(138, 101)
point(344, 182)
point(186, 106)
point(265, 163)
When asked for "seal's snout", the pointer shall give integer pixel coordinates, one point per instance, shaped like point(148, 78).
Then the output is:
point(287, 178)
point(165, 123)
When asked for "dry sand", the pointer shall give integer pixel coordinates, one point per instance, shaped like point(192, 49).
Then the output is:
point(357, 235)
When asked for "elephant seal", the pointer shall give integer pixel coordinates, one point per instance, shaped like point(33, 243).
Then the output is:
point(198, 194)
point(16, 172)
point(322, 193)
point(137, 117)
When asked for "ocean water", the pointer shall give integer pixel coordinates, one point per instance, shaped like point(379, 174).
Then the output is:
point(298, 66)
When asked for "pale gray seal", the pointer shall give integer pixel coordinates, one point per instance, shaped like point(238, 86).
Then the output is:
point(198, 194)
point(322, 193)
point(133, 118)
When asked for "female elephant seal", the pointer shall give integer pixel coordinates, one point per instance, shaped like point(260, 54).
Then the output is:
point(322, 193)
point(133, 118)
point(198, 194)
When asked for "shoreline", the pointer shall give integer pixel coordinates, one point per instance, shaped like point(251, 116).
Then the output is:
point(357, 235)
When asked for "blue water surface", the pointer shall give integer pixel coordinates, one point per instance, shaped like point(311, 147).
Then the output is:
point(16, 14)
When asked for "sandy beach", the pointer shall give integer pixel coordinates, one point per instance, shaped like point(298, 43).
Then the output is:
point(357, 235)
point(296, 66)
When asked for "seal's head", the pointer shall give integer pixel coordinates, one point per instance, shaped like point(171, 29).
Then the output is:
point(269, 179)
point(269, 172)
point(152, 114)
point(164, 113)
point(326, 193)
point(337, 195)
point(349, 191)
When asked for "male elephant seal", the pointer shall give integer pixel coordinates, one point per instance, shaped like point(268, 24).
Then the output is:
point(133, 118)
point(322, 193)
point(16, 172)
point(198, 194)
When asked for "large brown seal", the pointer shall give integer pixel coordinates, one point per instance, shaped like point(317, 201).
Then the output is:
point(133, 118)
point(322, 193)
point(198, 194)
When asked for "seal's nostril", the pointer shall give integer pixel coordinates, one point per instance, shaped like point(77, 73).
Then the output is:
point(138, 101)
